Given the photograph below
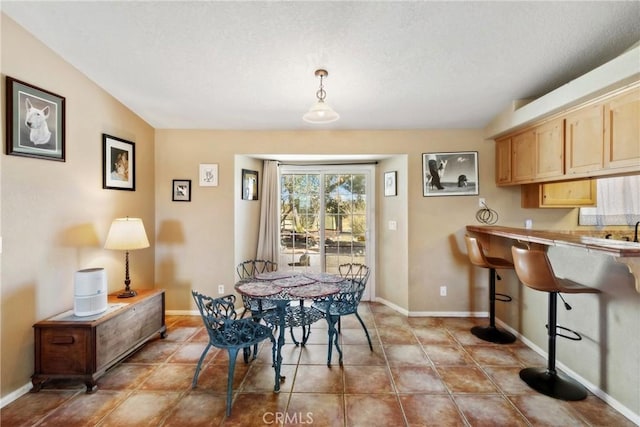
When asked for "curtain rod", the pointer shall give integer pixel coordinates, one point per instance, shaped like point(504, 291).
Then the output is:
point(325, 164)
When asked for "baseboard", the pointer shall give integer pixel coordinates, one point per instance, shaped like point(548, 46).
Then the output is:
point(182, 312)
point(15, 394)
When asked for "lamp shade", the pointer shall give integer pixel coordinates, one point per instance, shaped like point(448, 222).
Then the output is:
point(126, 234)
point(320, 112)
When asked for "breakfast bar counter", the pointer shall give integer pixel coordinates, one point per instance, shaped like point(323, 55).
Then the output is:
point(625, 252)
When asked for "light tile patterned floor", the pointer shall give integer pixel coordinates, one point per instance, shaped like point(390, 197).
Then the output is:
point(422, 372)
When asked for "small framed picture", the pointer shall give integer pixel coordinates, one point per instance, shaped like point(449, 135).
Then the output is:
point(35, 122)
point(249, 184)
point(208, 175)
point(118, 163)
point(181, 190)
point(450, 174)
point(390, 186)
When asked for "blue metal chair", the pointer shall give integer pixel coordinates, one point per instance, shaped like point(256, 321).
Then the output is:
point(247, 271)
point(347, 301)
point(227, 332)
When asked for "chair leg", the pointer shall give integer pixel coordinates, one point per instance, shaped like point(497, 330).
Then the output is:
point(365, 330)
point(548, 381)
point(333, 338)
point(233, 354)
point(194, 382)
point(491, 333)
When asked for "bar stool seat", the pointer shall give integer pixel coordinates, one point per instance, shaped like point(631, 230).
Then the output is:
point(477, 257)
point(535, 271)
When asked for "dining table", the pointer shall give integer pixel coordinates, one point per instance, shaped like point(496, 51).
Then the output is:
point(283, 287)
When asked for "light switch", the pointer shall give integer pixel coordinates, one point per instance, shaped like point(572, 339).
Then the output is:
point(393, 225)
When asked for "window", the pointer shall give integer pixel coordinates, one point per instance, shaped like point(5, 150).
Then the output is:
point(618, 202)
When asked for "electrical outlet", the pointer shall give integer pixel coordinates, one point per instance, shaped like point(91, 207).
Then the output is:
point(443, 291)
point(221, 289)
point(481, 202)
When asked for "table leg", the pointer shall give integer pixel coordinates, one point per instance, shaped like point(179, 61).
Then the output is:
point(281, 306)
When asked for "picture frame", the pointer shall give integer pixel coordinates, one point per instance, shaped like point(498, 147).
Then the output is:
point(208, 175)
point(118, 163)
point(455, 173)
point(181, 190)
point(390, 184)
point(35, 121)
point(249, 184)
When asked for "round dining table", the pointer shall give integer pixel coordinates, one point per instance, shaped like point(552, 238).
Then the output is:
point(282, 287)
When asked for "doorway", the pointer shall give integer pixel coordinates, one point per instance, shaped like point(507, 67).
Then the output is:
point(327, 218)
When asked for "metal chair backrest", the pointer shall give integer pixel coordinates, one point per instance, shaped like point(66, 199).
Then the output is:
point(248, 269)
point(354, 271)
point(217, 314)
point(476, 254)
point(534, 269)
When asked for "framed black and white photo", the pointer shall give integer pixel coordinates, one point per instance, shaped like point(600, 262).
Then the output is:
point(181, 190)
point(450, 174)
point(390, 185)
point(35, 122)
point(208, 175)
point(118, 163)
point(249, 184)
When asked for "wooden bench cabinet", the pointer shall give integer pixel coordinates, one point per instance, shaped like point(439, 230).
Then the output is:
point(70, 347)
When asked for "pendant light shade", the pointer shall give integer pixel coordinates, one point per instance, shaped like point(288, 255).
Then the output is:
point(321, 112)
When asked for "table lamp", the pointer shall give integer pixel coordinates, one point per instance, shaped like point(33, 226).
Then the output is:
point(127, 234)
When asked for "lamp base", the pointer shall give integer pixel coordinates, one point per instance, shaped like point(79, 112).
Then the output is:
point(127, 294)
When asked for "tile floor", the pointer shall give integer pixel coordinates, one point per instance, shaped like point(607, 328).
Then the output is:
point(422, 372)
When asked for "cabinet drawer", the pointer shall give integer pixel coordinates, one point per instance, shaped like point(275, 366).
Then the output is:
point(64, 350)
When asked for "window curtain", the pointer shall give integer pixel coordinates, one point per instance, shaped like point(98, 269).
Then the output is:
point(618, 202)
point(269, 215)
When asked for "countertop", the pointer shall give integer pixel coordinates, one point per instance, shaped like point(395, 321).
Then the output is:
point(618, 248)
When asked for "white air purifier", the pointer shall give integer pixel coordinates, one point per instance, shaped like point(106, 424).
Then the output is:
point(90, 292)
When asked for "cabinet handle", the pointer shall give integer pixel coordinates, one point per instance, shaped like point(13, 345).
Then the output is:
point(62, 340)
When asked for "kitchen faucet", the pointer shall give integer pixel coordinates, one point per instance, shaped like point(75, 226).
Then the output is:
point(635, 234)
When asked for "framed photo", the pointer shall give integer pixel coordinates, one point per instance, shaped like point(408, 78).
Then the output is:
point(249, 184)
point(450, 174)
point(118, 163)
point(181, 190)
point(390, 186)
point(208, 175)
point(35, 121)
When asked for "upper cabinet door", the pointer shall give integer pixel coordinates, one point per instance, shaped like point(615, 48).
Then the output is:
point(550, 149)
point(622, 130)
point(523, 152)
point(584, 138)
point(503, 161)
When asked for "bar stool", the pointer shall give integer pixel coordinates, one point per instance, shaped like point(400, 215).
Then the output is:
point(534, 271)
point(490, 333)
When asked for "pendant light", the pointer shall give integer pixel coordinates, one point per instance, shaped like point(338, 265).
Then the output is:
point(320, 112)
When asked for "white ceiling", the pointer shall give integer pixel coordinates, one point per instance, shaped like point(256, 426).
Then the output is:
point(392, 65)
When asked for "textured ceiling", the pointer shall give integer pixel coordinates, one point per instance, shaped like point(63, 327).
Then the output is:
point(392, 65)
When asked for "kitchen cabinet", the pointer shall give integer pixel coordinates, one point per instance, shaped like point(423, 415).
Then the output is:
point(596, 139)
point(503, 161)
point(565, 194)
point(535, 153)
point(584, 132)
point(71, 347)
point(523, 155)
point(549, 149)
point(622, 131)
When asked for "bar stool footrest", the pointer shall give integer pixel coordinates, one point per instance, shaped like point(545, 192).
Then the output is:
point(553, 384)
point(493, 334)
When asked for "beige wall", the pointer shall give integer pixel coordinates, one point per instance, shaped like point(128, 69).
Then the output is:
point(55, 215)
point(49, 209)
